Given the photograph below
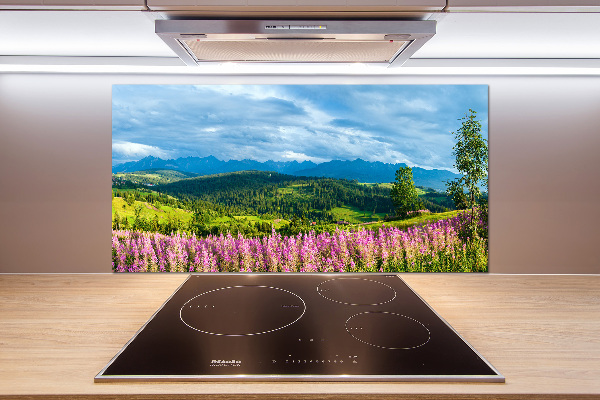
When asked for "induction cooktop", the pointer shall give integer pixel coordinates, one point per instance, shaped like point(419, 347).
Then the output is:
point(297, 327)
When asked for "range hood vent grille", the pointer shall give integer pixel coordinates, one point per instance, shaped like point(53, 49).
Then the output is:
point(318, 51)
point(387, 42)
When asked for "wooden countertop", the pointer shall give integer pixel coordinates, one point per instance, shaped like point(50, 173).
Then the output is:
point(542, 332)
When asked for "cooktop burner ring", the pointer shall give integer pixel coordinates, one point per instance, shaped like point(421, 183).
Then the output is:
point(390, 291)
point(420, 342)
point(259, 332)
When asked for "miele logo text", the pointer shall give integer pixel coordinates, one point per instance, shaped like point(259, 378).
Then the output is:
point(225, 363)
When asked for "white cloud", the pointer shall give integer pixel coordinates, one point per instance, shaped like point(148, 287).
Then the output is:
point(136, 151)
point(409, 124)
point(316, 116)
point(256, 92)
point(419, 105)
point(291, 155)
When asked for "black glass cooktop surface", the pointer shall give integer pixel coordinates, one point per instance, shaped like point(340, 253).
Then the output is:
point(297, 327)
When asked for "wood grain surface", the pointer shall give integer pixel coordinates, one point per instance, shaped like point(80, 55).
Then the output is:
point(542, 332)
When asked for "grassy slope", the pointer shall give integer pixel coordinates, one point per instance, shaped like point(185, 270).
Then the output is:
point(350, 214)
point(149, 211)
point(299, 190)
point(407, 223)
point(355, 215)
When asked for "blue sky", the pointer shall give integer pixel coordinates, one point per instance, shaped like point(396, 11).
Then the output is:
point(410, 124)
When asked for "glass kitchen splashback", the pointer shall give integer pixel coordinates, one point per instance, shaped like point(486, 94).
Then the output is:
point(299, 178)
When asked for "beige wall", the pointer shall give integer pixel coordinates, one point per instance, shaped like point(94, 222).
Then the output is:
point(55, 163)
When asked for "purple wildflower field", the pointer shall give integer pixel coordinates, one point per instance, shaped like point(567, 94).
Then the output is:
point(431, 247)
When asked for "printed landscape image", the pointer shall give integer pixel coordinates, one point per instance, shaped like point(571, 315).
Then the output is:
point(300, 178)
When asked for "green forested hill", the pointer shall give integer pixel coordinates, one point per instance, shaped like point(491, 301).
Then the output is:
point(286, 196)
point(258, 192)
point(251, 202)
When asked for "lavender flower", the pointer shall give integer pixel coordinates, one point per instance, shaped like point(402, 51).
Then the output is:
point(430, 247)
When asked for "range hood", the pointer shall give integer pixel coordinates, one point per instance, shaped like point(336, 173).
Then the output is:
point(289, 41)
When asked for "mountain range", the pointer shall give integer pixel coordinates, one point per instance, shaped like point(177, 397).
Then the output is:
point(361, 170)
